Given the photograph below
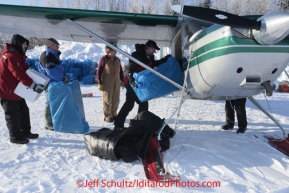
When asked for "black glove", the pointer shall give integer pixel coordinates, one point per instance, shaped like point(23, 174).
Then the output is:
point(37, 87)
point(167, 56)
point(131, 80)
point(163, 60)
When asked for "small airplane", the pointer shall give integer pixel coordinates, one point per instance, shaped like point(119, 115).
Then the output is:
point(224, 56)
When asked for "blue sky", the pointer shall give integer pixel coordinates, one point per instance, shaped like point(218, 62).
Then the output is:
point(17, 2)
point(14, 2)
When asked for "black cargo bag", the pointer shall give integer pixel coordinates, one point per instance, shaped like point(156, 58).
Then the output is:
point(127, 144)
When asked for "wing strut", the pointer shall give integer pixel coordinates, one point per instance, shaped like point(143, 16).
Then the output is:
point(126, 54)
point(281, 144)
point(266, 113)
point(286, 74)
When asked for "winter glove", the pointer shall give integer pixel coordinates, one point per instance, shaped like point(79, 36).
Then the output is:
point(166, 57)
point(163, 60)
point(46, 87)
point(37, 87)
point(100, 87)
point(122, 85)
point(65, 80)
point(131, 80)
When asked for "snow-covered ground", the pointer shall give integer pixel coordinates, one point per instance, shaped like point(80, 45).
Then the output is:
point(200, 151)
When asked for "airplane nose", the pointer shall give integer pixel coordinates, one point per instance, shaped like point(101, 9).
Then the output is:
point(273, 28)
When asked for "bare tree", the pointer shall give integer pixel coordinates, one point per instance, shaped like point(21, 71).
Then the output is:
point(283, 5)
point(199, 3)
point(111, 5)
point(125, 5)
point(272, 5)
point(142, 10)
point(122, 5)
point(102, 5)
point(32, 3)
point(244, 7)
point(203, 3)
point(133, 7)
point(49, 3)
point(76, 4)
point(175, 2)
point(234, 7)
point(118, 5)
point(167, 8)
point(95, 5)
point(207, 3)
point(87, 4)
point(98, 4)
point(151, 6)
point(220, 5)
point(261, 7)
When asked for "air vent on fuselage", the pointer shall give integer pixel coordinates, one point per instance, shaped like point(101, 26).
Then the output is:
point(251, 80)
point(256, 79)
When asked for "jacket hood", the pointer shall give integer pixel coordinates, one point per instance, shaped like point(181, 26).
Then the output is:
point(139, 47)
point(17, 41)
point(8, 48)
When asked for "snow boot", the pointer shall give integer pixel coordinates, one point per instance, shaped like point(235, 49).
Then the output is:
point(241, 130)
point(227, 127)
point(19, 140)
point(48, 119)
point(31, 135)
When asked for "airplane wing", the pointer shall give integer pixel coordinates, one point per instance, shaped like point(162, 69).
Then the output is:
point(123, 28)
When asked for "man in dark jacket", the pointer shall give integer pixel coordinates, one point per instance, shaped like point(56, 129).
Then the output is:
point(145, 54)
point(51, 66)
point(12, 71)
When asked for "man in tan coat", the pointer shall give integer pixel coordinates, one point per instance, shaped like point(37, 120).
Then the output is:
point(110, 78)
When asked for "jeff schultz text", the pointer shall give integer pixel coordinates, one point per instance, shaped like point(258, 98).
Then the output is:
point(145, 183)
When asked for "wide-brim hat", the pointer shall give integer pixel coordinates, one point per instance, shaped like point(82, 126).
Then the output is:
point(49, 42)
point(151, 43)
point(107, 48)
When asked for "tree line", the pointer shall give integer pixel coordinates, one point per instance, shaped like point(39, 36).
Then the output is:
point(163, 7)
point(243, 7)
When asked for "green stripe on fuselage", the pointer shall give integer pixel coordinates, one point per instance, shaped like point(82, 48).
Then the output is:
point(233, 44)
point(206, 31)
point(217, 26)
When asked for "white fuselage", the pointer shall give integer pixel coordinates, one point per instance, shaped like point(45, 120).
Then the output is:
point(224, 66)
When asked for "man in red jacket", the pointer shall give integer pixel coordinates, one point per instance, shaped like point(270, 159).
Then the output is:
point(12, 71)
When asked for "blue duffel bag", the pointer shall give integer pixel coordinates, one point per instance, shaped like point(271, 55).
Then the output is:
point(66, 107)
point(151, 86)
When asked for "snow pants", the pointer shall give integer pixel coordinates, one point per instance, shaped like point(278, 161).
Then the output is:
point(110, 99)
point(47, 112)
point(111, 88)
point(238, 105)
point(17, 117)
point(128, 105)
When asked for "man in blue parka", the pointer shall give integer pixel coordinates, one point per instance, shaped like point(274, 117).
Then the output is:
point(51, 66)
